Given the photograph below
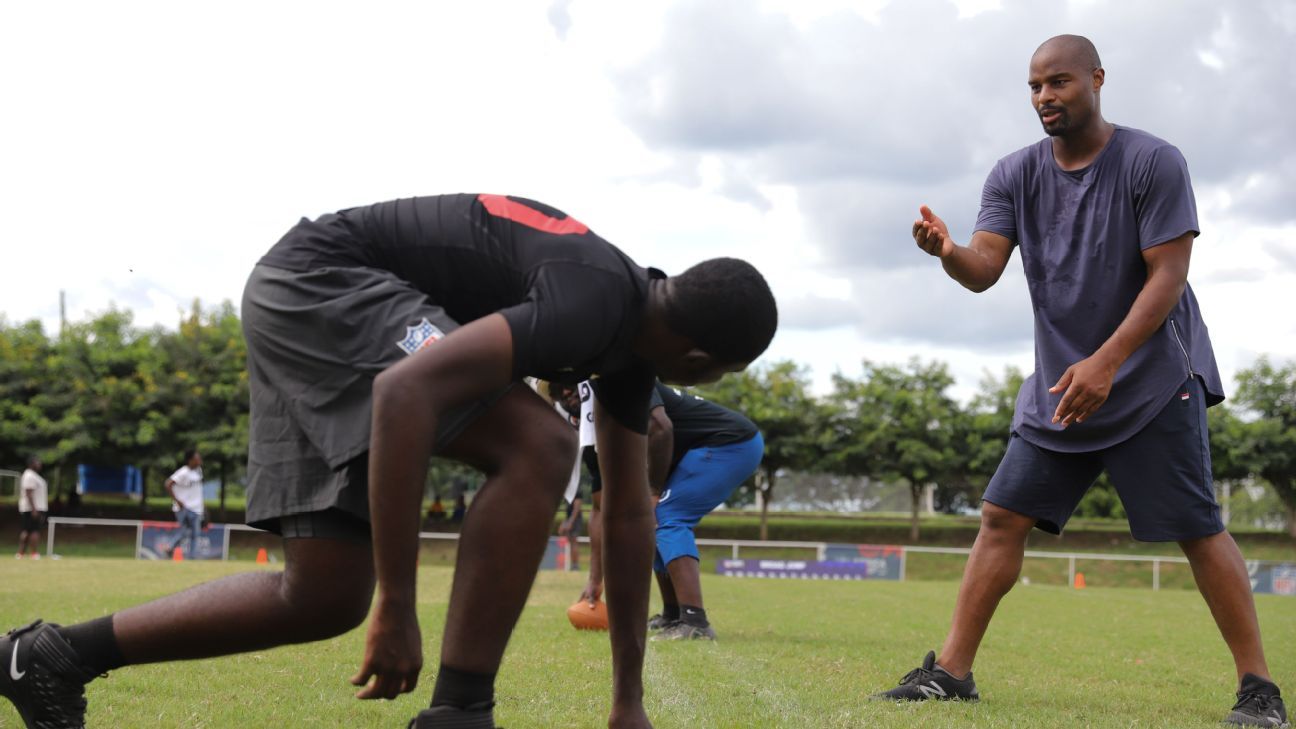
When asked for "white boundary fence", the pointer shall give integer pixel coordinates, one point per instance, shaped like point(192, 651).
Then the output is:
point(735, 545)
point(9, 477)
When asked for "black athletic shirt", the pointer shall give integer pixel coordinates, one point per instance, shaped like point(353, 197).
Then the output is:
point(573, 301)
point(699, 423)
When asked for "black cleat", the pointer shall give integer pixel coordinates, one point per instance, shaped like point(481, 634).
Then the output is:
point(930, 681)
point(1259, 704)
point(476, 716)
point(43, 678)
point(659, 621)
point(680, 630)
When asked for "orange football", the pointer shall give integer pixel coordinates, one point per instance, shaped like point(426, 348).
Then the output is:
point(585, 617)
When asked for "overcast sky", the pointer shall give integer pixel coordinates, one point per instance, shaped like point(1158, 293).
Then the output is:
point(150, 153)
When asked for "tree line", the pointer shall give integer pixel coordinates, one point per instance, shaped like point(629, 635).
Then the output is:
point(106, 392)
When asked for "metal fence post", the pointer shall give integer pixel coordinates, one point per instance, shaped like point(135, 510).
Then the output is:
point(1156, 574)
point(1071, 575)
point(735, 550)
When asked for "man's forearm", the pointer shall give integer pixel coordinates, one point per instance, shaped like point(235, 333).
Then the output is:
point(970, 268)
point(401, 445)
point(1148, 313)
point(660, 450)
point(596, 546)
point(627, 548)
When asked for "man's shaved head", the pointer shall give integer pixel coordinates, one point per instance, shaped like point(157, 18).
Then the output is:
point(1073, 48)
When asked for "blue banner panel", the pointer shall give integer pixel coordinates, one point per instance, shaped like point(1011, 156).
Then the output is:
point(1272, 579)
point(157, 538)
point(109, 480)
point(864, 569)
point(555, 556)
point(887, 560)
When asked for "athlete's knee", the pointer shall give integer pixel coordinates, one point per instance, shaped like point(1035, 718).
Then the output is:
point(1000, 522)
point(328, 596)
point(552, 453)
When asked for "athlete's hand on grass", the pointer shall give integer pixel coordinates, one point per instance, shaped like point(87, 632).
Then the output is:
point(592, 592)
point(628, 717)
point(931, 234)
point(393, 655)
point(1084, 386)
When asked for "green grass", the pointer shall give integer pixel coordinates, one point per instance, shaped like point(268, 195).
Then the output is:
point(790, 654)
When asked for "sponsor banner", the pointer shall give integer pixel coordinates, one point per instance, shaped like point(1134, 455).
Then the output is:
point(1272, 579)
point(555, 556)
point(863, 569)
point(157, 537)
point(886, 561)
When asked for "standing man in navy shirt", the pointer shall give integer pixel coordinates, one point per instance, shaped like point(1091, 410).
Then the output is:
point(1104, 217)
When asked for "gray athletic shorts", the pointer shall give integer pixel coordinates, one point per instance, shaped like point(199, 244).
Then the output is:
point(315, 342)
point(1162, 475)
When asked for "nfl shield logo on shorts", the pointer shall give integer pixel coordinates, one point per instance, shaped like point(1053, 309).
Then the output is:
point(419, 336)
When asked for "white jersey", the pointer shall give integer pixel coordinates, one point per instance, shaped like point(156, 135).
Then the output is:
point(33, 492)
point(586, 438)
point(188, 489)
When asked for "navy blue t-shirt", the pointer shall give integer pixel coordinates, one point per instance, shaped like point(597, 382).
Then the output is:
point(1082, 234)
point(699, 423)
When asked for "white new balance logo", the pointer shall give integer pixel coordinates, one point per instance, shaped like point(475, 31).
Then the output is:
point(14, 673)
point(932, 690)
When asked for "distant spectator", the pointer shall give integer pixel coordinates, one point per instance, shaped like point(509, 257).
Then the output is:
point(186, 489)
point(436, 512)
point(33, 506)
point(460, 508)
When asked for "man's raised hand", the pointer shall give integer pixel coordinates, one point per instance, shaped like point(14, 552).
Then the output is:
point(931, 235)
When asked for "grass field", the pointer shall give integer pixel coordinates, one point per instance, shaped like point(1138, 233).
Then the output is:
point(790, 654)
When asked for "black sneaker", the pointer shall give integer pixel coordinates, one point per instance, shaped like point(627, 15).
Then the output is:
point(43, 677)
point(930, 681)
point(659, 621)
point(1259, 704)
point(475, 716)
point(680, 630)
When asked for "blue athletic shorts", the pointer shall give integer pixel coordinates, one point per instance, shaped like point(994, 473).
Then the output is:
point(702, 481)
point(1162, 475)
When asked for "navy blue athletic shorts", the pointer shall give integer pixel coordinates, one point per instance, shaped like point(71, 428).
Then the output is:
point(1162, 475)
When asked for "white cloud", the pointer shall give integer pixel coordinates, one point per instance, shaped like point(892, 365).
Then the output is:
point(152, 151)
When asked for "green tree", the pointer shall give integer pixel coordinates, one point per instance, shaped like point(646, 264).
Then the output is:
point(197, 392)
point(101, 359)
point(899, 423)
point(777, 398)
point(1269, 392)
point(27, 416)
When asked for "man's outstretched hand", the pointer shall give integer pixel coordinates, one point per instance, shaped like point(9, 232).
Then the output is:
point(1084, 386)
point(592, 592)
point(931, 234)
point(393, 655)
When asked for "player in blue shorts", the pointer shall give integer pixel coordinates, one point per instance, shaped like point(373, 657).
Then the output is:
point(698, 454)
point(1104, 217)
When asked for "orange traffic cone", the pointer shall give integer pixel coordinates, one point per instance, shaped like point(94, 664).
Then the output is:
point(262, 557)
point(1079, 581)
point(177, 555)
